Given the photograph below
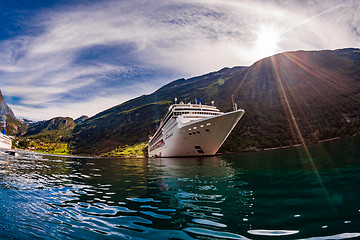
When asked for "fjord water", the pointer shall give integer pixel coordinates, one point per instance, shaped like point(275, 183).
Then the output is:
point(278, 194)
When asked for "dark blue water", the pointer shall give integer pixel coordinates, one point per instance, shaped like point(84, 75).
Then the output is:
point(279, 194)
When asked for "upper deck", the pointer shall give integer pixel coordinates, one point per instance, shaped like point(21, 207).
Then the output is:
point(192, 107)
point(186, 112)
point(190, 111)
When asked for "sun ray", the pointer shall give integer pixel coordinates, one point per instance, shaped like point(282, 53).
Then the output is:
point(278, 79)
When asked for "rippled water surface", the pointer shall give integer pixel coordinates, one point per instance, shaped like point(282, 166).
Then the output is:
point(279, 194)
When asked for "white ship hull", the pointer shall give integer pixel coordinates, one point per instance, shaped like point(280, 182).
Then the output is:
point(5, 141)
point(198, 137)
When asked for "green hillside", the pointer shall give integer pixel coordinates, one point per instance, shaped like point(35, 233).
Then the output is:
point(58, 129)
point(313, 95)
point(51, 136)
point(14, 127)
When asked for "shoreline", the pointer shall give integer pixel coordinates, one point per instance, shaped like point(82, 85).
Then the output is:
point(17, 150)
point(127, 157)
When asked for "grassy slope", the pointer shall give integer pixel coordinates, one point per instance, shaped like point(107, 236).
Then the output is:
point(136, 150)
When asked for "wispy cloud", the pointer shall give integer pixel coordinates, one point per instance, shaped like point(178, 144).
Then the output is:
point(102, 54)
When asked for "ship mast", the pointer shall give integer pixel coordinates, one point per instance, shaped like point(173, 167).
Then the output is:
point(234, 103)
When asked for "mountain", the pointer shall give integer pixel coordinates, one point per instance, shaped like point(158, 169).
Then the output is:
point(13, 126)
point(289, 98)
point(54, 130)
point(4, 108)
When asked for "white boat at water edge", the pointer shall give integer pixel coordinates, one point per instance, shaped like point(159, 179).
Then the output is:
point(192, 130)
point(5, 141)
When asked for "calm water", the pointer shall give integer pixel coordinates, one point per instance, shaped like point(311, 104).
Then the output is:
point(279, 194)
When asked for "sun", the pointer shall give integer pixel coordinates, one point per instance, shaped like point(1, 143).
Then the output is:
point(267, 42)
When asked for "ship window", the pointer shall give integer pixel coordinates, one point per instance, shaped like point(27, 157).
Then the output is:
point(201, 125)
point(190, 134)
point(207, 130)
point(208, 124)
point(195, 127)
point(194, 133)
point(189, 129)
point(197, 132)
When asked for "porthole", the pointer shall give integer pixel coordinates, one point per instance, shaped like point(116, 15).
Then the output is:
point(201, 125)
point(207, 130)
point(208, 124)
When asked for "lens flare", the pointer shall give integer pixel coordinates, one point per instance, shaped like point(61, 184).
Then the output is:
point(288, 107)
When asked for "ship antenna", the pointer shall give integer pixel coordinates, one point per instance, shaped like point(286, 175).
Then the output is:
point(175, 100)
point(234, 103)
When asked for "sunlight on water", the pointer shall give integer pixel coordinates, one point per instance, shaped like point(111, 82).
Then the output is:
point(245, 196)
point(272, 232)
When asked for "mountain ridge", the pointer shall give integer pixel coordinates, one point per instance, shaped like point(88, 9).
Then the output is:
point(57, 129)
point(289, 98)
point(281, 94)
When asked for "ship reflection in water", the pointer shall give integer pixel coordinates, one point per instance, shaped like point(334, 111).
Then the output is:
point(245, 196)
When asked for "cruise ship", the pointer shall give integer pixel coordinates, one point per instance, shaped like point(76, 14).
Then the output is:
point(192, 130)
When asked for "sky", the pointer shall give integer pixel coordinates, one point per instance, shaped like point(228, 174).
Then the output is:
point(74, 57)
